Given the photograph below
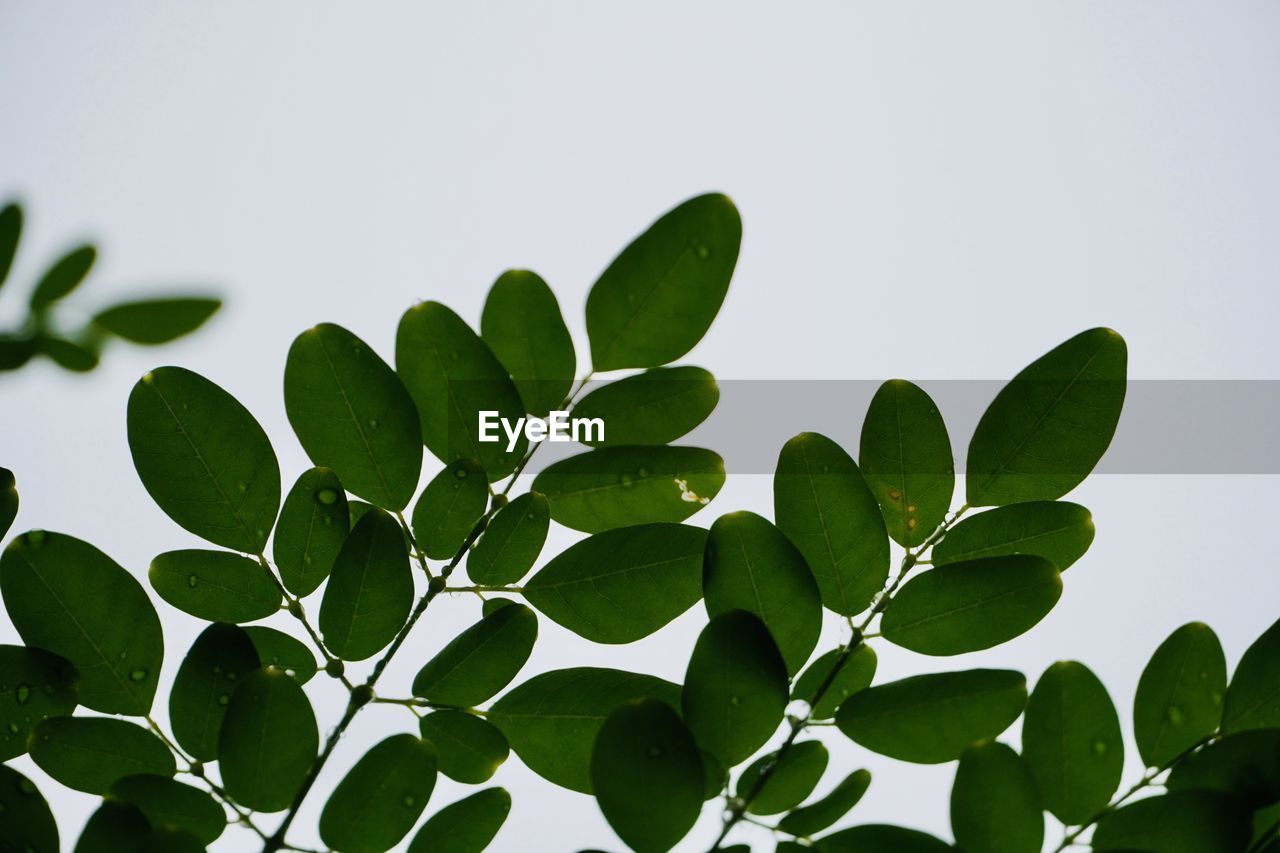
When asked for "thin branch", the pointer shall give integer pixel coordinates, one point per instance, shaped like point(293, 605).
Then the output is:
point(295, 608)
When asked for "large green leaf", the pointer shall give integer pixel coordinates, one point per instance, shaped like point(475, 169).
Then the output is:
point(466, 826)
point(267, 741)
point(820, 814)
point(749, 565)
point(313, 525)
point(113, 828)
point(156, 321)
point(481, 660)
point(283, 652)
point(215, 586)
point(793, 777)
point(1182, 822)
point(34, 684)
point(10, 234)
point(880, 838)
point(623, 584)
point(8, 501)
point(26, 823)
point(204, 459)
point(449, 508)
point(1071, 741)
point(370, 590)
point(995, 807)
point(647, 775)
point(63, 277)
point(856, 669)
point(352, 414)
point(469, 748)
point(1047, 429)
point(1058, 531)
point(1253, 698)
point(1245, 765)
point(930, 719)
point(619, 486)
point(1179, 698)
point(379, 800)
point(658, 297)
point(905, 455)
point(453, 376)
point(219, 658)
point(90, 753)
point(67, 597)
point(823, 505)
point(523, 326)
point(512, 541)
point(965, 607)
point(654, 407)
point(169, 803)
point(552, 719)
point(735, 689)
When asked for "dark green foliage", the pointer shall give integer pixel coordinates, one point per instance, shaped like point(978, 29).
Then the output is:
point(113, 828)
point(267, 741)
point(1058, 531)
point(1182, 822)
point(466, 826)
point(10, 233)
point(313, 524)
point(156, 321)
point(1253, 697)
point(856, 669)
point(26, 824)
point(820, 814)
point(881, 838)
point(793, 777)
point(64, 276)
point(523, 326)
point(370, 589)
point(469, 749)
point(210, 673)
point(654, 407)
point(90, 753)
point(512, 541)
point(995, 806)
point(283, 652)
point(1245, 765)
point(214, 585)
point(1179, 699)
point(481, 660)
point(168, 803)
point(34, 684)
point(380, 799)
point(450, 506)
point(8, 501)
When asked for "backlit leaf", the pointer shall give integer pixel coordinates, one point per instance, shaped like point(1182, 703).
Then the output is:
point(10, 234)
point(512, 541)
point(64, 276)
point(313, 525)
point(379, 800)
point(794, 776)
point(1245, 765)
point(34, 684)
point(654, 407)
point(1058, 531)
point(995, 807)
point(90, 753)
point(169, 803)
point(523, 326)
point(219, 658)
point(156, 321)
point(370, 590)
point(449, 508)
point(67, 354)
point(880, 838)
point(113, 828)
point(481, 660)
point(822, 813)
point(469, 748)
point(856, 670)
point(283, 652)
point(1179, 698)
point(267, 741)
point(215, 586)
point(466, 826)
point(26, 823)
point(1253, 697)
point(8, 501)
point(1182, 822)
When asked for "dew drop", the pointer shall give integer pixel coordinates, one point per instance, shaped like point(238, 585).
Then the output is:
point(306, 560)
point(292, 673)
point(147, 378)
point(734, 700)
point(327, 496)
point(36, 538)
point(1099, 747)
point(704, 252)
point(642, 473)
point(243, 487)
point(460, 473)
point(13, 727)
point(1175, 715)
point(192, 580)
point(895, 494)
point(328, 521)
point(625, 480)
point(409, 802)
point(22, 694)
point(224, 699)
point(138, 675)
point(27, 787)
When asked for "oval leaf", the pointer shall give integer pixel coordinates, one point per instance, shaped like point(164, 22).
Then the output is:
point(881, 838)
point(313, 525)
point(10, 233)
point(280, 651)
point(169, 803)
point(267, 741)
point(449, 508)
point(219, 658)
point(466, 826)
point(654, 407)
point(215, 586)
point(469, 749)
point(26, 823)
point(90, 753)
point(817, 816)
point(512, 541)
point(481, 660)
point(995, 807)
point(34, 684)
point(1253, 699)
point(1245, 765)
point(380, 799)
point(156, 321)
point(370, 590)
point(1182, 822)
point(856, 669)
point(1179, 698)
point(8, 501)
point(64, 276)
point(794, 776)
point(1058, 531)
point(523, 326)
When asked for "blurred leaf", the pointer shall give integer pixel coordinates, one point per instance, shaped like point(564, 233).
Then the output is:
point(857, 669)
point(658, 297)
point(215, 586)
point(34, 684)
point(523, 326)
point(995, 807)
point(466, 826)
point(623, 584)
point(90, 753)
point(370, 591)
point(64, 276)
point(67, 597)
point(283, 652)
point(820, 814)
point(1179, 698)
point(470, 749)
point(157, 321)
point(1245, 765)
point(793, 778)
point(267, 708)
point(1183, 822)
point(10, 234)
point(26, 823)
point(481, 660)
point(379, 800)
point(449, 508)
point(654, 407)
point(880, 838)
point(16, 351)
point(1253, 698)
point(68, 355)
point(203, 459)
point(168, 803)
point(823, 505)
point(512, 541)
point(8, 501)
point(313, 524)
point(1058, 531)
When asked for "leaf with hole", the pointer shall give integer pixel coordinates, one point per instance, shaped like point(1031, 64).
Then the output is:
point(512, 541)
point(34, 684)
point(1058, 531)
point(313, 524)
point(654, 407)
point(370, 590)
point(381, 797)
point(469, 748)
point(1179, 698)
point(90, 753)
point(481, 660)
point(215, 586)
point(449, 507)
point(267, 741)
point(523, 326)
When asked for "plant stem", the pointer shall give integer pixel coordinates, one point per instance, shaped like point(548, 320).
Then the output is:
point(481, 588)
point(295, 608)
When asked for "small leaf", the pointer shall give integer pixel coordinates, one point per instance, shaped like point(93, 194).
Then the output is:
point(552, 719)
point(67, 354)
point(1179, 698)
point(749, 565)
point(8, 501)
point(379, 800)
point(90, 753)
point(658, 297)
point(370, 591)
point(930, 719)
point(623, 584)
point(470, 749)
point(352, 414)
point(203, 459)
point(69, 598)
point(169, 803)
point(654, 407)
point(1245, 765)
point(905, 455)
point(113, 828)
point(512, 541)
point(1047, 429)
point(26, 823)
point(735, 689)
point(523, 326)
point(620, 486)
point(280, 651)
point(965, 607)
point(481, 660)
point(856, 670)
point(1253, 698)
point(267, 741)
point(449, 508)
point(647, 775)
point(817, 816)
point(794, 776)
point(881, 838)
point(313, 525)
point(34, 684)
point(10, 233)
point(995, 807)
point(219, 658)
point(64, 276)
point(215, 586)
point(823, 505)
point(1071, 741)
point(466, 826)
point(16, 350)
point(1058, 531)
point(156, 321)
point(1182, 822)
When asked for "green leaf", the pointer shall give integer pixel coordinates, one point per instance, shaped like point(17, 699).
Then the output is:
point(352, 414)
point(654, 407)
point(203, 459)
point(358, 510)
point(68, 355)
point(658, 297)
point(90, 753)
point(156, 321)
point(202, 689)
point(67, 597)
point(481, 660)
point(267, 741)
point(453, 376)
point(965, 607)
point(749, 565)
point(370, 590)
point(905, 456)
point(1183, 822)
point(466, 826)
point(64, 276)
point(647, 775)
point(26, 823)
point(856, 670)
point(8, 501)
point(379, 800)
point(820, 814)
point(1071, 741)
point(215, 586)
point(795, 774)
point(930, 719)
point(115, 828)
point(1047, 429)
point(169, 803)
point(1179, 698)
point(449, 508)
point(735, 689)
point(470, 750)
point(16, 350)
point(1245, 765)
point(620, 486)
point(552, 719)
point(1253, 698)
point(523, 326)
point(313, 524)
point(995, 807)
point(881, 838)
point(279, 650)
point(34, 684)
point(512, 541)
point(10, 233)
point(1058, 531)
point(623, 584)
point(823, 505)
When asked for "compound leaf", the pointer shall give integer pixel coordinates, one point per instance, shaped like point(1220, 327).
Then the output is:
point(523, 326)
point(370, 590)
point(219, 658)
point(794, 776)
point(991, 774)
point(449, 508)
point(313, 524)
point(1058, 531)
point(215, 586)
point(466, 826)
point(267, 741)
point(379, 800)
point(1179, 698)
point(156, 321)
point(654, 407)
point(481, 660)
point(469, 749)
point(512, 541)
point(34, 684)
point(90, 753)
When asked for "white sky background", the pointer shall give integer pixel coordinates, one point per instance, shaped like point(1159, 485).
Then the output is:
point(929, 190)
